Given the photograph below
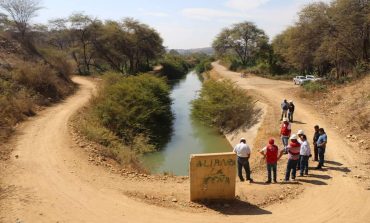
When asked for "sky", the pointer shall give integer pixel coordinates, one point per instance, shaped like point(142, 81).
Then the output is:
point(184, 24)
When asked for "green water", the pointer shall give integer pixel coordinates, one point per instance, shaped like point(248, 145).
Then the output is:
point(189, 135)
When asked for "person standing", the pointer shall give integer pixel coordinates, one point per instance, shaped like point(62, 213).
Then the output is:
point(285, 131)
point(315, 138)
point(272, 154)
point(291, 108)
point(243, 152)
point(300, 135)
point(305, 153)
point(294, 149)
point(284, 108)
point(321, 147)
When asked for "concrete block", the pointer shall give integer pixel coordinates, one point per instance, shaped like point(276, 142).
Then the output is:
point(212, 176)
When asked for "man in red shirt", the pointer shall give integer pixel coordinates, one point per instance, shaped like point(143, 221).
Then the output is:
point(272, 154)
point(285, 131)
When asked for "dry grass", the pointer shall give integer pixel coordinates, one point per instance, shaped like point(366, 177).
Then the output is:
point(346, 106)
point(24, 86)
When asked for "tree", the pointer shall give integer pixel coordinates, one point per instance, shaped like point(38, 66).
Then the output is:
point(327, 39)
point(59, 34)
point(127, 46)
point(349, 34)
point(244, 40)
point(21, 11)
point(299, 44)
point(83, 51)
point(4, 22)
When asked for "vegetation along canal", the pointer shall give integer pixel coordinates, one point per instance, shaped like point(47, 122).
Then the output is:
point(189, 136)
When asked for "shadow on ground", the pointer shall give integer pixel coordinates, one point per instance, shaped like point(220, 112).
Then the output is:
point(323, 177)
point(340, 169)
point(299, 122)
point(234, 207)
point(333, 163)
point(313, 181)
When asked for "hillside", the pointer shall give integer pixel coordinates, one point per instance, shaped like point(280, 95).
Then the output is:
point(347, 108)
point(26, 84)
point(206, 50)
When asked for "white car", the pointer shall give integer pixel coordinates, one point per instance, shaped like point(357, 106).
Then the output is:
point(300, 80)
point(313, 78)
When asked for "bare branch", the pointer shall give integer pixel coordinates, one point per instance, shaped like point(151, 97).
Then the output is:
point(21, 11)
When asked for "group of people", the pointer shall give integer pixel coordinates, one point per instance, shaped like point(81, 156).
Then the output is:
point(296, 146)
point(287, 110)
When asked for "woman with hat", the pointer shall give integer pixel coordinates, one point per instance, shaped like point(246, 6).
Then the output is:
point(293, 150)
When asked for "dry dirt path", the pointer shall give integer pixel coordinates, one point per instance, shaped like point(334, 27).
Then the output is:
point(52, 181)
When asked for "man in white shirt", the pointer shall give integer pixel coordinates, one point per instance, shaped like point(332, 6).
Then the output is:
point(243, 152)
point(305, 153)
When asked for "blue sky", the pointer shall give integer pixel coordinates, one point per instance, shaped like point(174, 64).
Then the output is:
point(184, 23)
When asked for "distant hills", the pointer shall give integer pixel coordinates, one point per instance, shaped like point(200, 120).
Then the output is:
point(206, 50)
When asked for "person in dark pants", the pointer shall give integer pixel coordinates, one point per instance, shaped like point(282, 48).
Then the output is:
point(272, 154)
point(291, 108)
point(321, 147)
point(284, 109)
point(243, 152)
point(304, 155)
point(300, 135)
point(293, 156)
point(315, 138)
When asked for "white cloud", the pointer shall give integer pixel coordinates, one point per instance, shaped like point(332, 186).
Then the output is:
point(209, 14)
point(245, 5)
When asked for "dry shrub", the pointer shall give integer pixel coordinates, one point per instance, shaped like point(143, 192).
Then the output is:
point(59, 62)
point(42, 79)
point(27, 85)
point(14, 109)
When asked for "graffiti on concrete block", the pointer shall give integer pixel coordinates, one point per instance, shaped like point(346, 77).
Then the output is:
point(215, 163)
point(218, 177)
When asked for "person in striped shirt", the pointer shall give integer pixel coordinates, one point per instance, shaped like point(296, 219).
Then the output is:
point(293, 150)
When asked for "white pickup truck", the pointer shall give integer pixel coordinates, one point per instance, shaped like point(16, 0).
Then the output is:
point(300, 80)
point(313, 78)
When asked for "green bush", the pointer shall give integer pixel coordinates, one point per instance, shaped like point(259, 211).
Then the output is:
point(314, 86)
point(235, 65)
point(203, 66)
point(135, 106)
point(174, 67)
point(224, 105)
point(90, 126)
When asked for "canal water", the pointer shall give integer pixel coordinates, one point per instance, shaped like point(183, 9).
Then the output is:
point(189, 135)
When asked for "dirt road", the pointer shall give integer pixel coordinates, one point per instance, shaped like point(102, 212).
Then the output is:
point(52, 181)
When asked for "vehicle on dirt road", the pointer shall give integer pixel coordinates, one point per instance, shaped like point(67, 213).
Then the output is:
point(300, 80)
point(312, 78)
